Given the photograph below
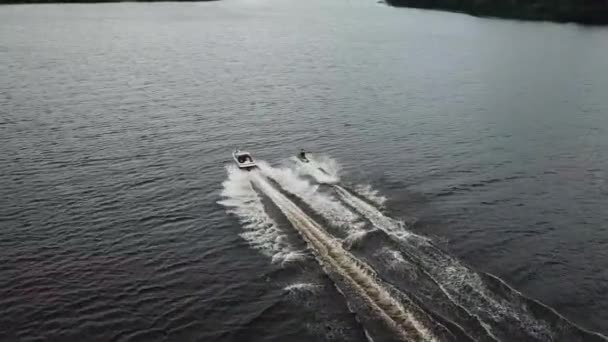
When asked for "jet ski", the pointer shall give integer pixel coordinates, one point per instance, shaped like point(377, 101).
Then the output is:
point(244, 160)
point(302, 156)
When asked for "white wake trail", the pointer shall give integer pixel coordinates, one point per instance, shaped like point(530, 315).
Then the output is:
point(461, 285)
point(330, 254)
point(332, 210)
point(322, 168)
point(371, 194)
point(325, 170)
point(259, 230)
point(375, 216)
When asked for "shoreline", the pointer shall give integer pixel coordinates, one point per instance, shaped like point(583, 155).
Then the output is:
point(503, 9)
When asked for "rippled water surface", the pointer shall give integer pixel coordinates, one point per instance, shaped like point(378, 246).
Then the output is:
point(455, 149)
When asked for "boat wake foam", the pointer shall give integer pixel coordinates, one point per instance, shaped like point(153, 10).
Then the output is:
point(482, 305)
point(404, 321)
point(375, 216)
point(461, 285)
point(323, 169)
point(259, 230)
point(333, 211)
point(503, 313)
point(366, 191)
point(302, 287)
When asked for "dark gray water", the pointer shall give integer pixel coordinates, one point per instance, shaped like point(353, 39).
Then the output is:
point(119, 220)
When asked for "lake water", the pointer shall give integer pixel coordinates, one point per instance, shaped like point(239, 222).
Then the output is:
point(457, 151)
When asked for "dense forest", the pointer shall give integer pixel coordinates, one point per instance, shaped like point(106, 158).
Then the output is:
point(580, 11)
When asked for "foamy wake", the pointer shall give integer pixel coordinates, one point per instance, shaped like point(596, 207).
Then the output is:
point(461, 285)
point(331, 255)
point(259, 230)
point(394, 260)
point(375, 216)
point(366, 191)
point(331, 209)
point(302, 287)
point(465, 288)
point(323, 169)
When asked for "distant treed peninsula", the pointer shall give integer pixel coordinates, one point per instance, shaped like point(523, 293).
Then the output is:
point(592, 12)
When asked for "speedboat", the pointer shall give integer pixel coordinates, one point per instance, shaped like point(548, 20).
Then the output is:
point(243, 160)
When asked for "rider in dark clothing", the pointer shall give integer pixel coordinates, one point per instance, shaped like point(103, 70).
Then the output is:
point(302, 154)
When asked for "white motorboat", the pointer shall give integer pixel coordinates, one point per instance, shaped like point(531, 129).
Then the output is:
point(244, 160)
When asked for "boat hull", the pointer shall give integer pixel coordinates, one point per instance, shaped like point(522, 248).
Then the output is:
point(244, 161)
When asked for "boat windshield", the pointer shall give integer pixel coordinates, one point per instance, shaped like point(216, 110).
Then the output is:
point(244, 159)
